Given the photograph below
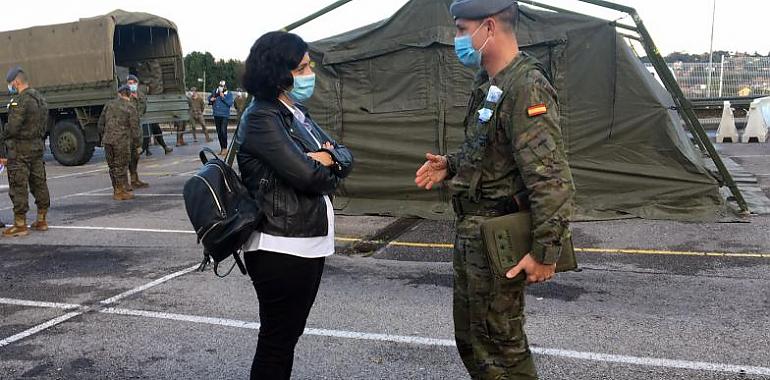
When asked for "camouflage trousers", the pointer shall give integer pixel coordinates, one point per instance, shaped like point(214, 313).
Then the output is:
point(197, 118)
point(118, 159)
point(133, 161)
point(488, 313)
point(27, 174)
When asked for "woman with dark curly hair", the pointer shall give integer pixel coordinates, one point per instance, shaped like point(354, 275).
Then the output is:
point(293, 167)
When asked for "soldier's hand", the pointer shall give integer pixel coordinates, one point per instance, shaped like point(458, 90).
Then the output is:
point(433, 171)
point(535, 271)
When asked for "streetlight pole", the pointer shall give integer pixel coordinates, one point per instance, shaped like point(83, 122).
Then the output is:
point(711, 52)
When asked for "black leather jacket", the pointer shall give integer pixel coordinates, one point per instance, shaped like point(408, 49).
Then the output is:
point(273, 154)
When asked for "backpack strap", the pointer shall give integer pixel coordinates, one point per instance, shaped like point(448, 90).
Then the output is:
point(203, 157)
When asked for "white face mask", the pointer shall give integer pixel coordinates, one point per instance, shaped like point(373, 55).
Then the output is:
point(221, 89)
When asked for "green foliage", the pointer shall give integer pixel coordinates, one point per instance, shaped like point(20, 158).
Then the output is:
point(196, 63)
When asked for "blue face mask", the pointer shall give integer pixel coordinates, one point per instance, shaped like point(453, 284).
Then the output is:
point(133, 87)
point(11, 89)
point(304, 86)
point(466, 53)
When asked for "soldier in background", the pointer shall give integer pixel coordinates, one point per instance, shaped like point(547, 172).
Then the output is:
point(23, 137)
point(241, 102)
point(140, 103)
point(513, 145)
point(197, 105)
point(179, 127)
point(117, 128)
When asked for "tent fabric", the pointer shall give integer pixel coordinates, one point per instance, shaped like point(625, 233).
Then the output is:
point(394, 90)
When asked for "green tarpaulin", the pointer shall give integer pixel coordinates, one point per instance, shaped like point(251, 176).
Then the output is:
point(395, 90)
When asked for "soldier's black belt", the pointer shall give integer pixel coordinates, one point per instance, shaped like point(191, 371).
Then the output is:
point(484, 207)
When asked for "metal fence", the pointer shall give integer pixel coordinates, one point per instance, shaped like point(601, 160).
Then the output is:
point(730, 77)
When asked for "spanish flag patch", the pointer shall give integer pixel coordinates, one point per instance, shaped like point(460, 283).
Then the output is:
point(537, 110)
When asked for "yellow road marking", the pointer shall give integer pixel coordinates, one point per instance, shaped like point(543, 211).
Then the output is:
point(612, 251)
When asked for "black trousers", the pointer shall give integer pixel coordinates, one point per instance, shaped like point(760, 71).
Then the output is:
point(149, 131)
point(221, 123)
point(286, 289)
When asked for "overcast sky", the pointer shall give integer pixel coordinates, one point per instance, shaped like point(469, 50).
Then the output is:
point(676, 25)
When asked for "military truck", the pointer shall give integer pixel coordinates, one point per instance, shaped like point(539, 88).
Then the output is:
point(78, 67)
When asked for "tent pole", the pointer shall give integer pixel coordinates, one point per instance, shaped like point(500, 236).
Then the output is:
point(315, 15)
point(683, 104)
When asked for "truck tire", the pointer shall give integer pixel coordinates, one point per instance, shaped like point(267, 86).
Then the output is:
point(68, 144)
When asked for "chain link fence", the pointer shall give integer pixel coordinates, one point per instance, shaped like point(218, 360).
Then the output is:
point(729, 77)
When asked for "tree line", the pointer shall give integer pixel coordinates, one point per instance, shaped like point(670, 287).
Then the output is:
point(199, 66)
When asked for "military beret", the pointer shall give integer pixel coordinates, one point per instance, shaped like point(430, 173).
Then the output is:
point(132, 77)
point(478, 9)
point(12, 73)
point(124, 89)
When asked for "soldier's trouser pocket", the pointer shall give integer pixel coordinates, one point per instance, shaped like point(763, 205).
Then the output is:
point(505, 326)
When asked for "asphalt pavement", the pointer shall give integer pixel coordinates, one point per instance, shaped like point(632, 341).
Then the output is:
point(111, 292)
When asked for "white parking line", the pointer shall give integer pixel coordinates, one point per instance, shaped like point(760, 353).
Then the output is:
point(50, 305)
point(414, 340)
point(120, 229)
point(102, 170)
point(70, 196)
point(139, 195)
point(39, 328)
point(142, 288)
point(68, 316)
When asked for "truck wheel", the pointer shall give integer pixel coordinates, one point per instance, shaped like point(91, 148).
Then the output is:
point(68, 144)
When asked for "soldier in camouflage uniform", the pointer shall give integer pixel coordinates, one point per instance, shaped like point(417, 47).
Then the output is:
point(117, 128)
point(241, 101)
point(179, 127)
point(23, 138)
point(140, 103)
point(197, 105)
point(512, 159)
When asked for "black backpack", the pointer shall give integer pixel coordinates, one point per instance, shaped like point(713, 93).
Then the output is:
point(222, 211)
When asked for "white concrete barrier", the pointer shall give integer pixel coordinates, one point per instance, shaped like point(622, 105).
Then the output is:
point(727, 131)
point(759, 120)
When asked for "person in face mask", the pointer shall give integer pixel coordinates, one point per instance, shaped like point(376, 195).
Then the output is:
point(292, 167)
point(222, 100)
point(512, 160)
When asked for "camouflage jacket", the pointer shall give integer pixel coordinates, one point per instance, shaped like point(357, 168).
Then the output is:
point(25, 131)
point(118, 121)
point(197, 104)
point(518, 149)
point(140, 102)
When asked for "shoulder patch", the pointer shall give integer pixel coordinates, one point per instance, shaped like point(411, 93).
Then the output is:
point(537, 110)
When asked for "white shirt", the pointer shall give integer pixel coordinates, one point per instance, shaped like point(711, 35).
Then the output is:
point(313, 247)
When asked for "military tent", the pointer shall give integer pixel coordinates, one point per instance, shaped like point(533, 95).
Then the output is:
point(394, 90)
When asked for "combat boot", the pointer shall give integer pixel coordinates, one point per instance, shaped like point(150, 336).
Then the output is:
point(19, 227)
point(180, 141)
point(41, 224)
point(121, 194)
point(136, 183)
